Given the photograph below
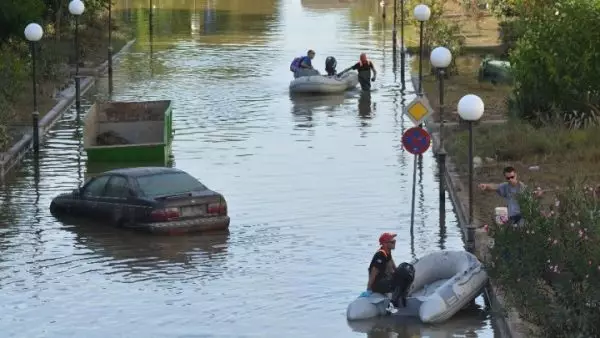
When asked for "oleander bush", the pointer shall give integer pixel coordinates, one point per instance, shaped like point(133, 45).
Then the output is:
point(550, 265)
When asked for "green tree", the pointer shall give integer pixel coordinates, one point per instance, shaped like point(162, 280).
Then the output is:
point(16, 14)
point(556, 64)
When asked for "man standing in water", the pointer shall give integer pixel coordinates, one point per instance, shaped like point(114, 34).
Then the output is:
point(364, 67)
point(384, 277)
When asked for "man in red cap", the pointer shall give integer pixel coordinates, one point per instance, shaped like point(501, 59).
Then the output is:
point(384, 277)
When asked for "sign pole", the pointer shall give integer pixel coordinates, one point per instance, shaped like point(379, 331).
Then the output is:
point(416, 141)
point(414, 193)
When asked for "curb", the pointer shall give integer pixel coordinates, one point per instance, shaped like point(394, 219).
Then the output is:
point(506, 325)
point(14, 155)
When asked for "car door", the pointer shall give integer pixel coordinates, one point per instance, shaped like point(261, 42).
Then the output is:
point(90, 197)
point(116, 199)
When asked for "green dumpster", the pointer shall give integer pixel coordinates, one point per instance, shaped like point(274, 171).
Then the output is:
point(129, 132)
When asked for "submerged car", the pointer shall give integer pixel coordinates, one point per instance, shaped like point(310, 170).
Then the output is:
point(155, 199)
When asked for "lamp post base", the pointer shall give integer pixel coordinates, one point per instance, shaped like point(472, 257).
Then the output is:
point(110, 70)
point(442, 181)
point(470, 246)
point(35, 119)
point(77, 92)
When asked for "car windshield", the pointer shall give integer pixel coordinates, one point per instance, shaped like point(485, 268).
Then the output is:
point(166, 184)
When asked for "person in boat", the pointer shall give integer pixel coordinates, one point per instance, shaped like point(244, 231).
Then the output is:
point(302, 65)
point(364, 67)
point(385, 277)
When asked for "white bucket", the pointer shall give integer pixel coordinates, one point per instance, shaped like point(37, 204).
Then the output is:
point(501, 215)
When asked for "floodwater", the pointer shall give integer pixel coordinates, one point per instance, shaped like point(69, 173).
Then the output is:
point(310, 184)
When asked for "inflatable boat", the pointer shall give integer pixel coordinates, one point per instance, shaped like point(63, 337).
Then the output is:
point(324, 84)
point(444, 283)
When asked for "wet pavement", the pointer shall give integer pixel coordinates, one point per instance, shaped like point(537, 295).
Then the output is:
point(310, 183)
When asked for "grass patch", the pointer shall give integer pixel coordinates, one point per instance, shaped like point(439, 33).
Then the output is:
point(463, 83)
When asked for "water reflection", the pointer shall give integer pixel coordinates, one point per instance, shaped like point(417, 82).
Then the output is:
point(304, 106)
point(365, 107)
point(137, 256)
point(466, 323)
point(78, 134)
point(326, 5)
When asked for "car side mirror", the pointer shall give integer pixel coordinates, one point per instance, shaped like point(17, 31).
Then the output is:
point(130, 193)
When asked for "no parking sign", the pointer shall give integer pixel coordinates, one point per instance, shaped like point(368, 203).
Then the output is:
point(416, 140)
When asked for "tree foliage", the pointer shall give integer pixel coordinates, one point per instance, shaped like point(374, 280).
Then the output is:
point(437, 30)
point(16, 14)
point(556, 62)
point(15, 60)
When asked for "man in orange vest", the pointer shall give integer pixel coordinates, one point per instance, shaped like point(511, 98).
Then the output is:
point(384, 277)
point(364, 66)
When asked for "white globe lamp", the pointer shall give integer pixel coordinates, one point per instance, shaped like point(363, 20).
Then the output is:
point(34, 32)
point(422, 12)
point(440, 57)
point(470, 107)
point(76, 7)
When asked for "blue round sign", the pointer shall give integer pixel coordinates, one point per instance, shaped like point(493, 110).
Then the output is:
point(416, 140)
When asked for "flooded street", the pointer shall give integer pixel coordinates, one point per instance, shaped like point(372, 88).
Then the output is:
point(310, 184)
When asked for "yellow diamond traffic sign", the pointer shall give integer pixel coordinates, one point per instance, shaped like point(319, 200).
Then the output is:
point(418, 110)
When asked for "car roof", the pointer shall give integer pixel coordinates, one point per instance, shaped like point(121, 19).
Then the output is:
point(143, 171)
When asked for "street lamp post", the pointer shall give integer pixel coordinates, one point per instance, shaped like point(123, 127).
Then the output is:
point(403, 51)
point(76, 7)
point(110, 49)
point(394, 32)
point(440, 58)
point(33, 34)
point(470, 108)
point(422, 13)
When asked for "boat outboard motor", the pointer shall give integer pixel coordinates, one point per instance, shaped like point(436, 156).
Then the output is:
point(330, 64)
point(402, 279)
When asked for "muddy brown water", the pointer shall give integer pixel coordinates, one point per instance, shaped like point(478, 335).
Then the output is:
point(310, 184)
